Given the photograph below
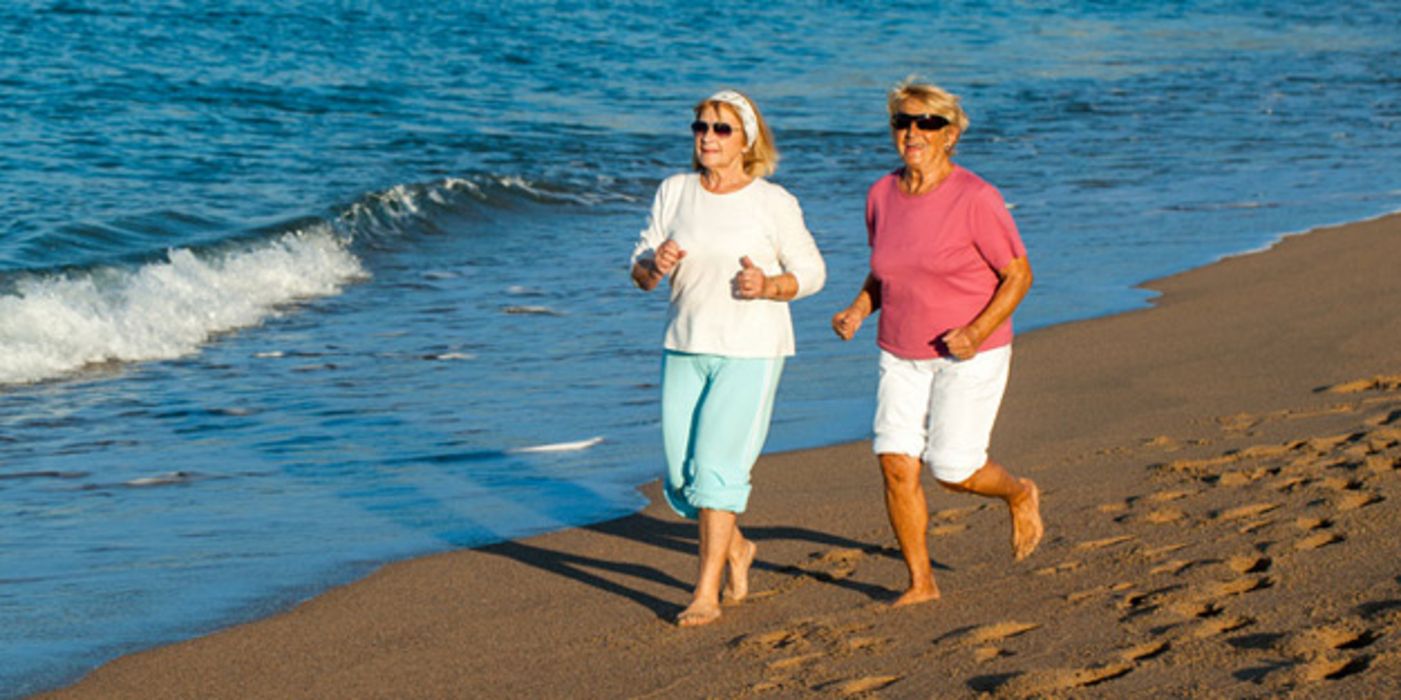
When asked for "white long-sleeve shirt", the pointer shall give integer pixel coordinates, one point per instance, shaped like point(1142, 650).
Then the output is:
point(762, 221)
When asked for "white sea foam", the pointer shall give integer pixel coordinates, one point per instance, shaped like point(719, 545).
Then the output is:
point(55, 324)
point(446, 356)
point(559, 446)
point(530, 310)
point(162, 479)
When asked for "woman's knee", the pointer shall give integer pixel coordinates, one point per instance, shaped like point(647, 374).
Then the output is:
point(900, 471)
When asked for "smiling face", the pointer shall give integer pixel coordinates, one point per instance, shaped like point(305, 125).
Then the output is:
point(922, 149)
point(718, 153)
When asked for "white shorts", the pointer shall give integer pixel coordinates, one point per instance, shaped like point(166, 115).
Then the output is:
point(941, 410)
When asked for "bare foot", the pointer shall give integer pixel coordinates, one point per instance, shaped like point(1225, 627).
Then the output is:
point(916, 595)
point(698, 614)
point(737, 586)
point(1027, 528)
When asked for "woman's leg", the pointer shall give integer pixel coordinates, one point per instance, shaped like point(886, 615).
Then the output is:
point(909, 518)
point(684, 380)
point(717, 529)
point(963, 408)
point(740, 557)
point(731, 424)
point(1023, 501)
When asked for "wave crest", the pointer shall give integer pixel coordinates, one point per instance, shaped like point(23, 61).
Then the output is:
point(57, 323)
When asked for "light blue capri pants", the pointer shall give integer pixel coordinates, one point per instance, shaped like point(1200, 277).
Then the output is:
point(715, 418)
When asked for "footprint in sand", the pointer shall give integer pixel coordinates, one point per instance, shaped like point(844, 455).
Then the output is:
point(1217, 624)
point(1327, 653)
point(1058, 568)
point(999, 631)
point(1243, 477)
point(1175, 566)
point(1039, 682)
point(1381, 464)
point(768, 642)
point(867, 644)
point(1290, 484)
point(984, 637)
point(1225, 589)
point(1145, 651)
point(1111, 508)
point(949, 515)
point(1147, 601)
point(1385, 382)
point(1320, 537)
point(1164, 516)
point(1156, 552)
point(1099, 591)
point(1246, 511)
point(1353, 501)
point(832, 565)
point(1317, 540)
point(1321, 640)
point(1171, 495)
point(1249, 564)
point(794, 661)
point(1103, 543)
point(857, 686)
point(1332, 670)
point(986, 654)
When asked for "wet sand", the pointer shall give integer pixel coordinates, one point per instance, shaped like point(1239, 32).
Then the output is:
point(1221, 483)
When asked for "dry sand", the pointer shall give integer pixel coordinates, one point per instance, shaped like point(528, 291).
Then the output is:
point(1221, 481)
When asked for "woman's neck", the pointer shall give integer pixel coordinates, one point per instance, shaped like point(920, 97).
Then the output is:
point(724, 181)
point(921, 179)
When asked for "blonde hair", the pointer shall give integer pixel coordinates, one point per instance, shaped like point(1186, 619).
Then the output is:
point(761, 160)
point(934, 98)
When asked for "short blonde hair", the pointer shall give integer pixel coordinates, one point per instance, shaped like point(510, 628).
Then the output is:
point(935, 99)
point(761, 160)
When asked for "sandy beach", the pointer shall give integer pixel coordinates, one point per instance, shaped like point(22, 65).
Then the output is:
point(1221, 480)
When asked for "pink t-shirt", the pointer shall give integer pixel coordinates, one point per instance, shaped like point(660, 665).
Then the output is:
point(936, 256)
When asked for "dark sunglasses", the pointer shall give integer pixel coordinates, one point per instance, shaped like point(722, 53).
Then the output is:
point(926, 122)
point(722, 130)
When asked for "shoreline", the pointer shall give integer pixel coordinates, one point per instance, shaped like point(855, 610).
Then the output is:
point(1226, 345)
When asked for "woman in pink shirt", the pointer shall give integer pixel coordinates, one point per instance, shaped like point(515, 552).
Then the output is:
point(947, 270)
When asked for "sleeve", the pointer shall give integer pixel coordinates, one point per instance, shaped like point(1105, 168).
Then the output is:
point(797, 251)
point(994, 232)
point(655, 233)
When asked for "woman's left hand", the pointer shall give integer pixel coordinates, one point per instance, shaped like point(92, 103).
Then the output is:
point(750, 282)
point(961, 343)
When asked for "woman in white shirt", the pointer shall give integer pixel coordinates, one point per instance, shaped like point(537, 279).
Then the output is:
point(736, 250)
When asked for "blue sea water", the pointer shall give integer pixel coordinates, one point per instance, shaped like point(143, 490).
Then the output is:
point(289, 290)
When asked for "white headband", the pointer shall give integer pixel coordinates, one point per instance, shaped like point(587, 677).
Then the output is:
point(746, 113)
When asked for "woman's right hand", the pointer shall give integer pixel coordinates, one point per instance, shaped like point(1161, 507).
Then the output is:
point(847, 321)
point(668, 255)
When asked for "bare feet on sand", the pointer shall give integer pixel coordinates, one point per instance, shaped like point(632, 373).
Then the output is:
point(737, 585)
point(917, 594)
point(1026, 520)
point(698, 614)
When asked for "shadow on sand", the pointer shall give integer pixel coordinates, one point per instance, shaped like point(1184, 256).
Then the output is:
point(679, 536)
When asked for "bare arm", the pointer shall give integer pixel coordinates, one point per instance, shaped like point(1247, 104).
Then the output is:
point(1014, 281)
point(752, 283)
point(847, 321)
point(648, 273)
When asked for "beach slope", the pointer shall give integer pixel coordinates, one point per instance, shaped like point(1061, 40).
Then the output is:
point(1221, 480)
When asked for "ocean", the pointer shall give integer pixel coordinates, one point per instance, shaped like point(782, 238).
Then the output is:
point(289, 290)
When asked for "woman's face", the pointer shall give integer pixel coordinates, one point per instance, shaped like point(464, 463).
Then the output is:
point(921, 148)
point(714, 151)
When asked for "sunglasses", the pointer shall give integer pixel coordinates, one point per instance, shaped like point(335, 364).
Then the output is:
point(722, 130)
point(926, 122)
